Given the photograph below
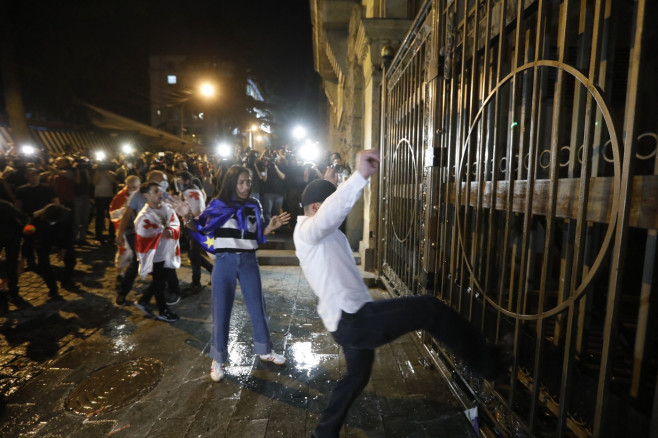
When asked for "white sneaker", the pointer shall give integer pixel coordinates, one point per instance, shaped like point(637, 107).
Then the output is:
point(276, 359)
point(216, 371)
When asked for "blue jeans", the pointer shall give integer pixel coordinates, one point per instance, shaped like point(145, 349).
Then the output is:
point(230, 267)
point(380, 322)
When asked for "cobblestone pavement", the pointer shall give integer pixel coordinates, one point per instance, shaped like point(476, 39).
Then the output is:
point(80, 367)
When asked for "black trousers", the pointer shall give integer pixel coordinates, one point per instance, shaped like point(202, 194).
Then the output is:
point(380, 322)
point(12, 246)
point(157, 286)
point(45, 269)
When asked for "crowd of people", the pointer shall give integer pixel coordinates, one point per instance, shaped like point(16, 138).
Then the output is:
point(218, 209)
point(78, 189)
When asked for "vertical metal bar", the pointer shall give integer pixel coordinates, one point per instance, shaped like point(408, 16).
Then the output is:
point(532, 140)
point(580, 227)
point(485, 127)
point(472, 157)
point(550, 216)
point(460, 153)
point(509, 134)
point(619, 249)
point(583, 41)
point(383, 171)
point(445, 178)
point(453, 153)
point(642, 336)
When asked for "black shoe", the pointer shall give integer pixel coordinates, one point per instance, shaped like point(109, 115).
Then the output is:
point(145, 308)
point(192, 289)
point(120, 300)
point(173, 299)
point(168, 315)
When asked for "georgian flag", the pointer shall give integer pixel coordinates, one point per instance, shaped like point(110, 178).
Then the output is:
point(149, 226)
point(194, 198)
point(124, 254)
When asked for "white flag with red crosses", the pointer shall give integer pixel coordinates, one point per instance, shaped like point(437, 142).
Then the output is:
point(194, 198)
point(149, 227)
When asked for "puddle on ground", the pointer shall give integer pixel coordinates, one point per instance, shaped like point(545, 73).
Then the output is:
point(114, 386)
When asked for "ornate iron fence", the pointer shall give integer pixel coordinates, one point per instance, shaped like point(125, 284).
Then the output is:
point(519, 183)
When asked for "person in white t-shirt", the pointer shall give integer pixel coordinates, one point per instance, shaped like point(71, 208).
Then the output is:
point(357, 323)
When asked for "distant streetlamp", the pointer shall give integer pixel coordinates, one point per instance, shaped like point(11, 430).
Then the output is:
point(206, 90)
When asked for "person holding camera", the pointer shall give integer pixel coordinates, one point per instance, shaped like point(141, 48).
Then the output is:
point(257, 175)
point(343, 170)
point(274, 188)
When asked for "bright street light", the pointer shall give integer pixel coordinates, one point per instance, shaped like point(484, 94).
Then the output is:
point(28, 149)
point(127, 148)
point(224, 150)
point(207, 89)
point(299, 132)
point(309, 151)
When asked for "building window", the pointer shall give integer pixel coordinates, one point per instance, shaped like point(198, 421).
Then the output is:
point(171, 79)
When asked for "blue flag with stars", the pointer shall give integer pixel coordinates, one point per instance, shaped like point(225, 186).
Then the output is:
point(216, 214)
point(206, 241)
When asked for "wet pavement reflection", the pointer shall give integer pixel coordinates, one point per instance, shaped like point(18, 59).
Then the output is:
point(83, 367)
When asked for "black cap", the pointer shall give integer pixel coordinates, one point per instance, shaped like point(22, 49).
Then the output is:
point(317, 191)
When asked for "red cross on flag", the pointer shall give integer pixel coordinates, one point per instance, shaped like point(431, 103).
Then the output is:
point(150, 244)
point(195, 200)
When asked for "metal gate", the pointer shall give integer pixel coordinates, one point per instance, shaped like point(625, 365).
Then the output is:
point(519, 183)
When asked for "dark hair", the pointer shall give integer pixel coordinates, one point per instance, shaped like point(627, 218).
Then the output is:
point(185, 175)
point(230, 183)
point(144, 188)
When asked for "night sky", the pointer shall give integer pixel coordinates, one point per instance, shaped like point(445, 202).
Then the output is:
point(97, 52)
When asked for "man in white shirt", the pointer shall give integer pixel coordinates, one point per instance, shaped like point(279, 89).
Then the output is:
point(357, 323)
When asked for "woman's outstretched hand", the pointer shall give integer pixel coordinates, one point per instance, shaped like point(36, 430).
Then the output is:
point(277, 222)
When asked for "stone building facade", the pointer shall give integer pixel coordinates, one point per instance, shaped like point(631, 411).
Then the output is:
point(348, 39)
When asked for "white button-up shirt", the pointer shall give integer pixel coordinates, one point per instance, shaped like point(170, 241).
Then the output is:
point(326, 258)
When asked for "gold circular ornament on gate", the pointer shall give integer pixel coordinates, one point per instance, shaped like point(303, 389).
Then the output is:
point(462, 171)
point(403, 182)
